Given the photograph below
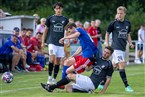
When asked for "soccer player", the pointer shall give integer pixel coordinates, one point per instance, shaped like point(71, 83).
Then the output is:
point(120, 29)
point(87, 47)
point(54, 31)
point(102, 68)
point(10, 51)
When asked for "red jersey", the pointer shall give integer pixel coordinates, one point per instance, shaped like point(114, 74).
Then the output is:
point(26, 41)
point(22, 39)
point(93, 32)
point(33, 42)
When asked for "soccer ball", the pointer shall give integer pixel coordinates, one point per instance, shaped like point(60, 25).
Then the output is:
point(7, 77)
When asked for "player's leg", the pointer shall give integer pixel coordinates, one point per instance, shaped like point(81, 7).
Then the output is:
point(52, 53)
point(59, 56)
point(67, 63)
point(63, 81)
point(120, 55)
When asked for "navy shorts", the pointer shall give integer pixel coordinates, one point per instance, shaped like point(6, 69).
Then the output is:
point(140, 47)
point(6, 57)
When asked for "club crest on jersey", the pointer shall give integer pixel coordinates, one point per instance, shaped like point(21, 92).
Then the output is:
point(126, 27)
point(62, 22)
point(102, 66)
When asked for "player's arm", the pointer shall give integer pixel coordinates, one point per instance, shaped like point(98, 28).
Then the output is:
point(15, 49)
point(72, 36)
point(44, 36)
point(107, 38)
point(96, 36)
point(130, 41)
point(78, 51)
point(108, 80)
point(88, 68)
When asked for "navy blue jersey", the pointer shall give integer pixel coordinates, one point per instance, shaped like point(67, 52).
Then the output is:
point(56, 26)
point(87, 44)
point(119, 32)
point(101, 69)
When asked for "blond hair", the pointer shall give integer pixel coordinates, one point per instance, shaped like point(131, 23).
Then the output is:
point(122, 8)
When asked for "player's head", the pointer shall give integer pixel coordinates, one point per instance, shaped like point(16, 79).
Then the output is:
point(29, 32)
point(16, 31)
point(107, 52)
point(14, 38)
point(71, 27)
point(97, 22)
point(121, 12)
point(58, 7)
point(39, 35)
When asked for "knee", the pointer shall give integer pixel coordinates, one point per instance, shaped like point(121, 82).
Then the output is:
point(69, 75)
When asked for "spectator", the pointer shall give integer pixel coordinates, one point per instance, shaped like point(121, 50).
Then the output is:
point(9, 51)
point(99, 36)
point(93, 33)
point(23, 35)
point(86, 25)
point(41, 26)
point(141, 40)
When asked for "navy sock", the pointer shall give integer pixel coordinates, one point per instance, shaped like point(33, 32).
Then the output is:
point(123, 76)
point(56, 70)
point(50, 68)
point(64, 71)
point(64, 81)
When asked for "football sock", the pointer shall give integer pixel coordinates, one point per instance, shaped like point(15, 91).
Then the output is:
point(123, 76)
point(50, 68)
point(64, 71)
point(56, 70)
point(64, 81)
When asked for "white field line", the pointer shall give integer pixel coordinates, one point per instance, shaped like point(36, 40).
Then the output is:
point(139, 73)
point(30, 88)
point(20, 89)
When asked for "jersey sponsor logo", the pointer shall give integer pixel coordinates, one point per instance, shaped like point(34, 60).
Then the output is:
point(122, 34)
point(58, 27)
point(97, 70)
point(117, 27)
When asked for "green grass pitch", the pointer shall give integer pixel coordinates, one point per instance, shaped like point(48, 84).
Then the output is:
point(28, 85)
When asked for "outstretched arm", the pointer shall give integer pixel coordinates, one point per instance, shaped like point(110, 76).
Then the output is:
point(74, 35)
point(106, 85)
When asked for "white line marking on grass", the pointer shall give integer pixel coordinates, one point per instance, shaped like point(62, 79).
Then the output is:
point(136, 74)
point(8, 91)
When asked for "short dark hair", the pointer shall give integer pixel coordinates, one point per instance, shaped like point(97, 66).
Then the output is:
point(58, 4)
point(70, 25)
point(110, 48)
point(39, 33)
point(29, 29)
point(16, 29)
point(23, 29)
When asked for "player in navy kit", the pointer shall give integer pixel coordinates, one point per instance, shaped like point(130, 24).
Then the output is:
point(54, 31)
point(102, 68)
point(120, 29)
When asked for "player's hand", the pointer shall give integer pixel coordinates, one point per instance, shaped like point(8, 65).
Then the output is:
point(131, 45)
point(42, 45)
point(61, 41)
